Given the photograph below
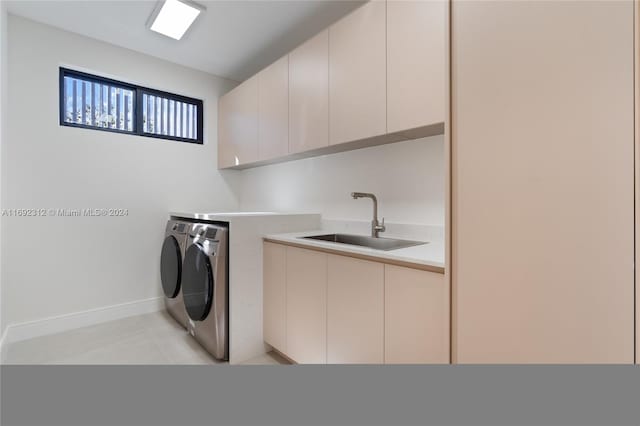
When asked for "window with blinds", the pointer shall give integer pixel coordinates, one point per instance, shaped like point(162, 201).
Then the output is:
point(102, 104)
point(94, 102)
point(170, 116)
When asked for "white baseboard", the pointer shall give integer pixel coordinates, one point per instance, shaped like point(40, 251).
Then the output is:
point(29, 330)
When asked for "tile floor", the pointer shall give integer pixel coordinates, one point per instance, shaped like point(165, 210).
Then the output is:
point(145, 339)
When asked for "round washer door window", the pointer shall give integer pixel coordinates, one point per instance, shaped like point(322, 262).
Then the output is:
point(170, 267)
point(197, 283)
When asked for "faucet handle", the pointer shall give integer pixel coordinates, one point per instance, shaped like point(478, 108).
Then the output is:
point(381, 226)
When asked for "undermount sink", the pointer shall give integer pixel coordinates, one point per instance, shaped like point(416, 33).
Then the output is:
point(366, 241)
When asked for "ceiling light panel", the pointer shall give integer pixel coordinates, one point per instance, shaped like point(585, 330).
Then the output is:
point(175, 17)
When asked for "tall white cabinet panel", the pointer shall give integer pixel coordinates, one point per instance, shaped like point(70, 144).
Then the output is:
point(637, 95)
point(542, 181)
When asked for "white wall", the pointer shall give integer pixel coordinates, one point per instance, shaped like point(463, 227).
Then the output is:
point(407, 177)
point(55, 265)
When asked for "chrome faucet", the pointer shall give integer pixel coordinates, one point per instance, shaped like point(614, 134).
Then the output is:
point(376, 226)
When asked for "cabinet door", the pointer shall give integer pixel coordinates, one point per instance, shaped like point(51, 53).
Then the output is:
point(355, 311)
point(416, 317)
point(357, 75)
point(274, 295)
point(238, 125)
point(273, 110)
point(542, 185)
point(415, 63)
point(306, 306)
point(309, 94)
point(637, 202)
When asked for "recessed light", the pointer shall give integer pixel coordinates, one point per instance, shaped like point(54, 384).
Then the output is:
point(174, 17)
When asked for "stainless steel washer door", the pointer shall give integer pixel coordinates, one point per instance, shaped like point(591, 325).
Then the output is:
point(197, 283)
point(170, 267)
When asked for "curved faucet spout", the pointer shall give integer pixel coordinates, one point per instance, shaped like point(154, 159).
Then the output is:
point(376, 226)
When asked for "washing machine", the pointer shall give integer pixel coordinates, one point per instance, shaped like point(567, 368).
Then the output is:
point(171, 268)
point(205, 287)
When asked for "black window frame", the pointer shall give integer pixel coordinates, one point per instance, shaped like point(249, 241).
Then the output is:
point(137, 116)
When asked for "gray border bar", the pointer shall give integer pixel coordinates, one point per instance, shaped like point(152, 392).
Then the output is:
point(320, 395)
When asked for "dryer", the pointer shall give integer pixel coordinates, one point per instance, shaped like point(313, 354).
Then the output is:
point(171, 261)
point(205, 287)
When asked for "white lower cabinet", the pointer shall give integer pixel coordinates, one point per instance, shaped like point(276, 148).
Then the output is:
point(306, 316)
point(325, 308)
point(355, 311)
point(274, 288)
point(416, 307)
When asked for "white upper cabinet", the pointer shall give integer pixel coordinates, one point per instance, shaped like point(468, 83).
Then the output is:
point(309, 95)
point(238, 125)
point(273, 110)
point(357, 75)
point(415, 63)
point(376, 76)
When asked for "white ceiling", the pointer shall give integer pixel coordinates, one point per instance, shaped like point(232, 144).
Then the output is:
point(233, 38)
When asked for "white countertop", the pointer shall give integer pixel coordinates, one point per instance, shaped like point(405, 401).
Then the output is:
point(430, 254)
point(228, 216)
